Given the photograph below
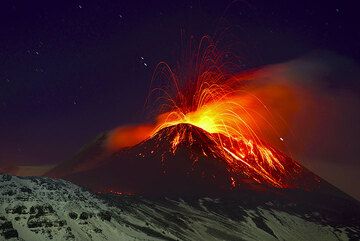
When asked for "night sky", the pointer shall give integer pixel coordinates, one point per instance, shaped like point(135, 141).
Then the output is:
point(69, 71)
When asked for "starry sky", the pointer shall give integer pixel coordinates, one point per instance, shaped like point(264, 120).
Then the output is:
point(71, 70)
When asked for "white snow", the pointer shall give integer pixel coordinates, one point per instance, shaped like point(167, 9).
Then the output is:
point(142, 219)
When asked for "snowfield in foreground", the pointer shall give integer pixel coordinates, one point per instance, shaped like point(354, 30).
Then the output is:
point(46, 209)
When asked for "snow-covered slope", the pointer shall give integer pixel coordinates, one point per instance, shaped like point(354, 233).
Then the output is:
point(44, 209)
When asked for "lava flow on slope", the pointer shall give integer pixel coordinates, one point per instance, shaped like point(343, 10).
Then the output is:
point(184, 158)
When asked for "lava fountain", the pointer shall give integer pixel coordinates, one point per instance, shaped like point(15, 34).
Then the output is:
point(205, 93)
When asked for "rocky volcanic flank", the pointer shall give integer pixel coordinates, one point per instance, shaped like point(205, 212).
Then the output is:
point(179, 159)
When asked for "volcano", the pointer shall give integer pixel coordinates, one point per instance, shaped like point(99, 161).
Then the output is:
point(206, 138)
point(183, 159)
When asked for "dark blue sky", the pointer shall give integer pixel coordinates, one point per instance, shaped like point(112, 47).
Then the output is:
point(69, 71)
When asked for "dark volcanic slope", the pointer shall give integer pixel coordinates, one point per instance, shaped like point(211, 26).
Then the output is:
point(178, 159)
point(90, 156)
point(156, 166)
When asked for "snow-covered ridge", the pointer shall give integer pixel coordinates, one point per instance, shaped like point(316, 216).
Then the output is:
point(47, 209)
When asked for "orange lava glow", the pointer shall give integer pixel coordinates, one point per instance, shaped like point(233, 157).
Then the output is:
point(225, 106)
point(238, 142)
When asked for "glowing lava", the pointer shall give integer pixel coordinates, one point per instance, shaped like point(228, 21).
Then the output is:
point(208, 96)
point(216, 102)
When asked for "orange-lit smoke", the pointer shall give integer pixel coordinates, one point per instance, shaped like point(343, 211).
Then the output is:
point(127, 136)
